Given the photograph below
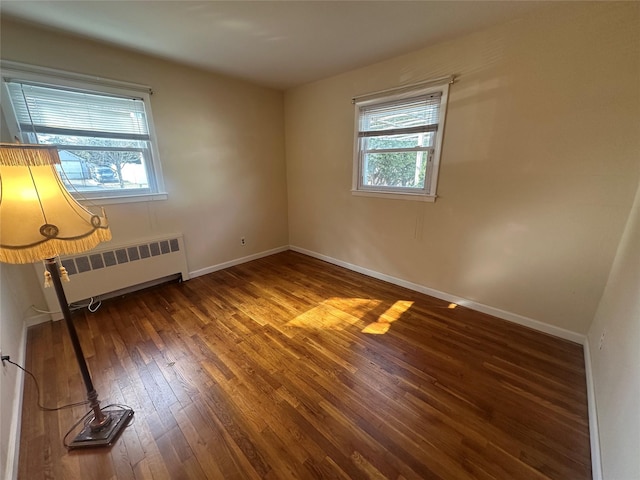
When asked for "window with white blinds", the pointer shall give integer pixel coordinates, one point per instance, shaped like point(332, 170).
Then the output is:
point(104, 135)
point(398, 142)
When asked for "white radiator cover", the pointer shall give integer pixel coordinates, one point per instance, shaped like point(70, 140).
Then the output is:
point(113, 269)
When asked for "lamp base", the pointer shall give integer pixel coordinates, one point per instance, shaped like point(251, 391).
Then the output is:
point(105, 436)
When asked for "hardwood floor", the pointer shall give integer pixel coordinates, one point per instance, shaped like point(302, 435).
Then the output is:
point(289, 367)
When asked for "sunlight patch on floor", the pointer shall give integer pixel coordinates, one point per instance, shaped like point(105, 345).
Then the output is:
point(377, 328)
point(382, 325)
point(338, 313)
point(331, 314)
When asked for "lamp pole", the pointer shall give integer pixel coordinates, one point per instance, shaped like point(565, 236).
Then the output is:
point(100, 420)
point(41, 220)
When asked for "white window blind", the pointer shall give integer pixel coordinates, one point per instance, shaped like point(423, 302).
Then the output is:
point(398, 141)
point(45, 109)
point(103, 130)
point(401, 116)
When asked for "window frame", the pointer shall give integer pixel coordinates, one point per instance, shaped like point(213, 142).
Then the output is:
point(16, 72)
point(408, 94)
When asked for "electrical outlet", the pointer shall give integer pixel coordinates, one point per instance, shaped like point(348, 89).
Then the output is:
point(242, 241)
point(602, 340)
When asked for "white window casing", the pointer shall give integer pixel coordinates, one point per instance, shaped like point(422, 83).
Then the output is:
point(398, 141)
point(103, 130)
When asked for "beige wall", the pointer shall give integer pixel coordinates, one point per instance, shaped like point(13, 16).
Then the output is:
point(16, 283)
point(616, 365)
point(539, 165)
point(221, 147)
point(539, 170)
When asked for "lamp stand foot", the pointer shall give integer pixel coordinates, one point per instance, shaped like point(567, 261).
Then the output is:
point(90, 436)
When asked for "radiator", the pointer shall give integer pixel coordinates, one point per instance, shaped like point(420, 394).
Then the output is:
point(117, 269)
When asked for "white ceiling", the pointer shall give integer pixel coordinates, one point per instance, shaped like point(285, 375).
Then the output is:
point(274, 43)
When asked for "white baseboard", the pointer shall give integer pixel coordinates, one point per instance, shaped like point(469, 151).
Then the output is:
point(14, 436)
point(479, 307)
point(596, 465)
point(237, 261)
point(45, 317)
point(594, 435)
point(37, 319)
point(496, 312)
point(13, 451)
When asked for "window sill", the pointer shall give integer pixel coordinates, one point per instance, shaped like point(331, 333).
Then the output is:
point(415, 197)
point(111, 200)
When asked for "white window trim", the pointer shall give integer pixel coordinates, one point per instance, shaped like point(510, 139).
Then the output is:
point(37, 74)
point(416, 197)
point(409, 91)
point(114, 199)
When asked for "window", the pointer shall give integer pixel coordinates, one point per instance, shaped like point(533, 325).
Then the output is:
point(398, 141)
point(103, 131)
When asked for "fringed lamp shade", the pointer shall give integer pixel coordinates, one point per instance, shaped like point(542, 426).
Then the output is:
point(39, 218)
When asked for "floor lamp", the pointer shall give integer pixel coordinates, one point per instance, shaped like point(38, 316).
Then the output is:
point(40, 220)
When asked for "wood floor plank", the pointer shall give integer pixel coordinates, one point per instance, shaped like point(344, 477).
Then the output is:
point(288, 367)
